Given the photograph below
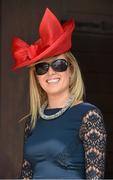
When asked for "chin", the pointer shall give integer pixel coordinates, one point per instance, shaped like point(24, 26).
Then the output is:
point(51, 93)
point(56, 92)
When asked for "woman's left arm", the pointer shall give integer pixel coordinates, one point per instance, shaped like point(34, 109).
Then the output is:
point(93, 134)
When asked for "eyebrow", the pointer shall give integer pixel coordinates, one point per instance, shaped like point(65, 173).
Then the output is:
point(54, 58)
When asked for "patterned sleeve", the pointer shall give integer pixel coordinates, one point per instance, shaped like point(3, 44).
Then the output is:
point(26, 171)
point(93, 134)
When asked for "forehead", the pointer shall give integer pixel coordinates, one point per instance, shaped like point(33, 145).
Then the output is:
point(50, 59)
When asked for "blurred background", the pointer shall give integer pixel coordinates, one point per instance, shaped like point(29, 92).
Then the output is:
point(92, 46)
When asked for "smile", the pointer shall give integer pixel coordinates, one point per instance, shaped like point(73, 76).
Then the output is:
point(53, 80)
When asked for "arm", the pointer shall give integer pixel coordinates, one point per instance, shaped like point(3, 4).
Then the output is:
point(93, 134)
point(26, 171)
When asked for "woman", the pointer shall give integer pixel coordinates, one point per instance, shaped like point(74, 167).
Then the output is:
point(64, 136)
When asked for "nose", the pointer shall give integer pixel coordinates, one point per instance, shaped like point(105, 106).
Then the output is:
point(51, 71)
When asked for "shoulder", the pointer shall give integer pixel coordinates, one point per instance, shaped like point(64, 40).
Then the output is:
point(84, 108)
point(88, 106)
point(91, 113)
point(91, 109)
point(92, 121)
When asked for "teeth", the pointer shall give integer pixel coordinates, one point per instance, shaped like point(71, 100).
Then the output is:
point(52, 80)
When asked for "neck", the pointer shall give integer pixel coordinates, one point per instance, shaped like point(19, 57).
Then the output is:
point(57, 101)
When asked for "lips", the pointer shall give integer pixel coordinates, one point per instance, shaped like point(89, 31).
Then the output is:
point(52, 81)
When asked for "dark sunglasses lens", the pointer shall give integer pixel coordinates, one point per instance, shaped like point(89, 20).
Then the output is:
point(60, 65)
point(41, 68)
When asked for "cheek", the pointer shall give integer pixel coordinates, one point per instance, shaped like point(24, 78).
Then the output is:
point(40, 80)
point(67, 75)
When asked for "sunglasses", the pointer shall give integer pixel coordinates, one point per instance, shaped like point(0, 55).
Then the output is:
point(58, 65)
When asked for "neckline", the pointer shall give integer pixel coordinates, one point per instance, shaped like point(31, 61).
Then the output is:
point(54, 109)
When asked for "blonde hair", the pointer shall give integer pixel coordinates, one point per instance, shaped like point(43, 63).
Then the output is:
point(38, 96)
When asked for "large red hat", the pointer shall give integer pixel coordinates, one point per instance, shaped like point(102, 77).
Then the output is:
point(54, 39)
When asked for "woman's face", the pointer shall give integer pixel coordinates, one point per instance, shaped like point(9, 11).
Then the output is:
point(55, 83)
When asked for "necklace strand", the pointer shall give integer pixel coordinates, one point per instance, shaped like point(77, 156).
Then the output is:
point(59, 113)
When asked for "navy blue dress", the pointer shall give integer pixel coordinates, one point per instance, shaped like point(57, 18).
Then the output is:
point(55, 148)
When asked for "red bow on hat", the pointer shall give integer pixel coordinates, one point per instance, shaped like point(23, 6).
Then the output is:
point(54, 39)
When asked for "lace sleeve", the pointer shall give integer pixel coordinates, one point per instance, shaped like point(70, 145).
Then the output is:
point(27, 130)
point(26, 171)
point(93, 134)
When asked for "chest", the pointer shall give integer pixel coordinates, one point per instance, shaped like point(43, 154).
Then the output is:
point(52, 137)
